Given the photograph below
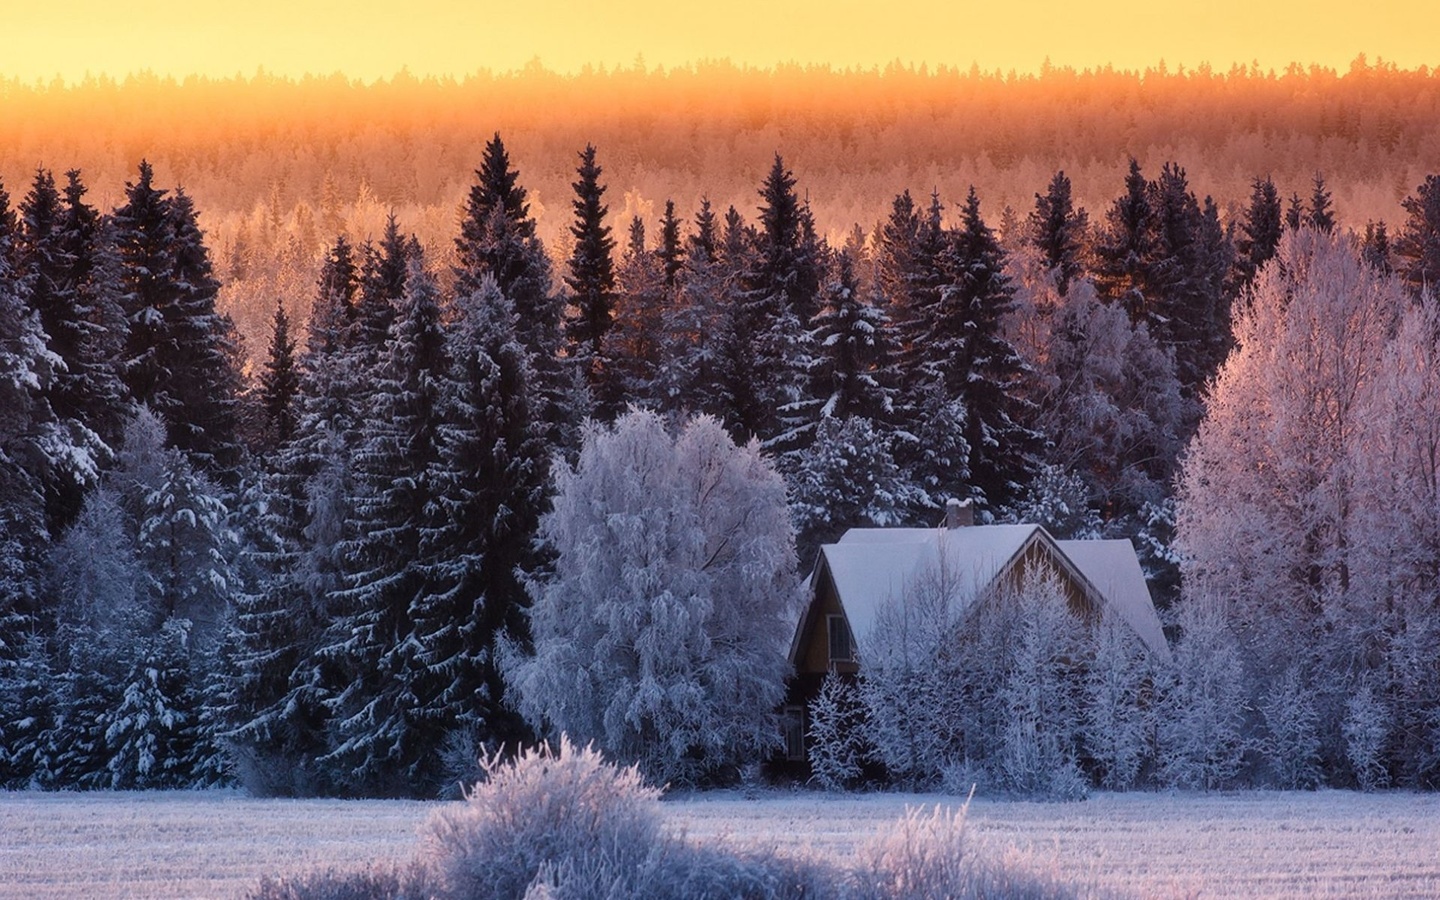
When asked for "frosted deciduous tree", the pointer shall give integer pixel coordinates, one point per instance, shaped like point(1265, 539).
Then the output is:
point(1203, 732)
point(1291, 743)
point(661, 635)
point(1268, 490)
point(1041, 693)
point(836, 739)
point(1118, 710)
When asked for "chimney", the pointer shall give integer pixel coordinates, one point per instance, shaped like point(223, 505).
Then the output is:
point(959, 513)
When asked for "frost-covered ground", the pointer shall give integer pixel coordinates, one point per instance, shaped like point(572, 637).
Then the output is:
point(218, 844)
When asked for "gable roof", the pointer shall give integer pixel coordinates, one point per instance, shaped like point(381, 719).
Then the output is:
point(871, 566)
point(1114, 569)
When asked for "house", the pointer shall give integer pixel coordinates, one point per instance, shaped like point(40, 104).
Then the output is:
point(855, 578)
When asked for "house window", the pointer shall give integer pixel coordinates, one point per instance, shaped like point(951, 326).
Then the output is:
point(795, 733)
point(842, 649)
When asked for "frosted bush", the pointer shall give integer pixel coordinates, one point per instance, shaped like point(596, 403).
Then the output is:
point(565, 808)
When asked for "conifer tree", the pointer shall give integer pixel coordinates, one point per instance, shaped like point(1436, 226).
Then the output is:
point(781, 295)
point(670, 252)
point(489, 481)
point(1375, 247)
point(179, 358)
point(592, 270)
point(372, 639)
point(1125, 245)
point(280, 382)
point(976, 365)
point(1417, 246)
point(497, 236)
point(1058, 230)
point(1260, 230)
point(1322, 216)
point(46, 267)
point(280, 685)
point(25, 372)
point(692, 322)
point(633, 346)
point(852, 374)
point(1295, 213)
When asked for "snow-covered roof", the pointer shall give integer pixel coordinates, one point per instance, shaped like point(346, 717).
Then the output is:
point(872, 566)
point(1113, 569)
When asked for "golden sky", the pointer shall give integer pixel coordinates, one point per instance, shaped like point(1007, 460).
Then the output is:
point(368, 39)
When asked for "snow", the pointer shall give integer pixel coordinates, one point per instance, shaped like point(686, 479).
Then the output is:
point(873, 566)
point(1251, 844)
point(1114, 569)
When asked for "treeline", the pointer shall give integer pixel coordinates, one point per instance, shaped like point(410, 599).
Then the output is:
point(312, 579)
point(279, 167)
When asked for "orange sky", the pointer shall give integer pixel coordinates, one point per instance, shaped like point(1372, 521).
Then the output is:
point(369, 39)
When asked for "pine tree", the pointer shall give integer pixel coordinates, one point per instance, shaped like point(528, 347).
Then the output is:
point(279, 383)
point(592, 271)
point(1058, 230)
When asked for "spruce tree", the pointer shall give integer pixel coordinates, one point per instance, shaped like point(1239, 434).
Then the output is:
point(478, 550)
point(1375, 247)
point(1260, 230)
point(497, 236)
point(1058, 230)
point(1125, 245)
point(378, 749)
point(25, 373)
point(279, 383)
point(1417, 246)
point(671, 252)
point(977, 366)
point(592, 270)
point(1322, 215)
point(633, 346)
point(852, 375)
point(46, 268)
point(180, 355)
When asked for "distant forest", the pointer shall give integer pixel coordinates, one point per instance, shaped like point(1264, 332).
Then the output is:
point(278, 167)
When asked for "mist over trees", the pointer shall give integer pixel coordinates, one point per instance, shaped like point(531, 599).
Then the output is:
point(460, 473)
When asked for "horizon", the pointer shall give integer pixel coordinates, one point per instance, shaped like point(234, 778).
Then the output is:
point(455, 39)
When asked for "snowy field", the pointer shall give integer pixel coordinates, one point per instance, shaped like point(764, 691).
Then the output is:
point(218, 844)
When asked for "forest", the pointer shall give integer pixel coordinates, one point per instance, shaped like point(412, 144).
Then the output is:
point(278, 167)
point(480, 490)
